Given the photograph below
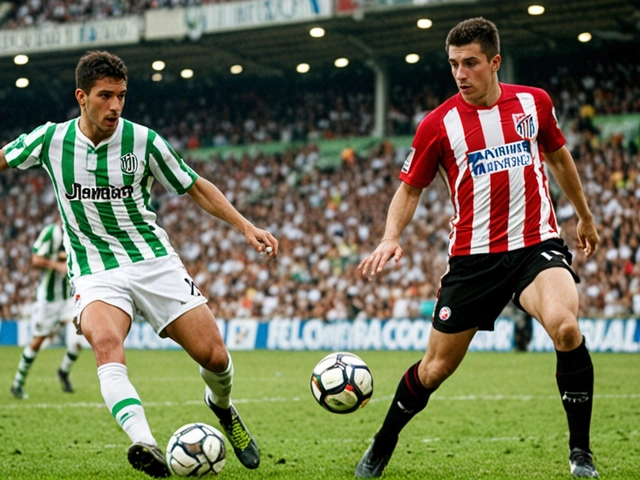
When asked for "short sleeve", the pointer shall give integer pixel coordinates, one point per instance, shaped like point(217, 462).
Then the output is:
point(169, 168)
point(26, 150)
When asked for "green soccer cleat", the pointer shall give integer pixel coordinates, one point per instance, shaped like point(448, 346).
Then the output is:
point(243, 443)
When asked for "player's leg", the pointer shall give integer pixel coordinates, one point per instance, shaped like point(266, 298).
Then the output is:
point(72, 350)
point(29, 354)
point(552, 298)
point(197, 332)
point(444, 354)
point(72, 343)
point(105, 327)
point(42, 325)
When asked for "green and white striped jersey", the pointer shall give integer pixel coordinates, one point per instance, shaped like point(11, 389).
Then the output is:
point(53, 285)
point(104, 191)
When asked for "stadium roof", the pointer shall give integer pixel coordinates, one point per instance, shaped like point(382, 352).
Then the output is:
point(387, 35)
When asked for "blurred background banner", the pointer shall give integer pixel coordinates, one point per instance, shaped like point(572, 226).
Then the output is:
point(72, 36)
point(214, 18)
point(603, 335)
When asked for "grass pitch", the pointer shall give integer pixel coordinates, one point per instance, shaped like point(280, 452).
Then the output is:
point(498, 417)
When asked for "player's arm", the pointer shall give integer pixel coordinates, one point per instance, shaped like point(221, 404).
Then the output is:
point(3, 160)
point(403, 206)
point(564, 170)
point(211, 200)
point(40, 261)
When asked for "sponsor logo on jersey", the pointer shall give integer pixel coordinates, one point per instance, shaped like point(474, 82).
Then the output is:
point(409, 159)
point(111, 192)
point(444, 314)
point(129, 163)
point(525, 125)
point(500, 158)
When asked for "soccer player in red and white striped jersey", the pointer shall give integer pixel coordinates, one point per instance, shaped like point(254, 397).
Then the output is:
point(491, 142)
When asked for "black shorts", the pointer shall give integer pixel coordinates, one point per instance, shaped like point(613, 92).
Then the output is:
point(476, 288)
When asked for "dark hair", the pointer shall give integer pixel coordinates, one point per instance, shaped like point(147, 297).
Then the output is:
point(96, 65)
point(475, 30)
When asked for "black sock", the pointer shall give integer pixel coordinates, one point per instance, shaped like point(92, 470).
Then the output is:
point(411, 398)
point(574, 375)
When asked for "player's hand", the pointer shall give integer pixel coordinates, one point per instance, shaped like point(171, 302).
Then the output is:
point(588, 238)
point(375, 263)
point(262, 241)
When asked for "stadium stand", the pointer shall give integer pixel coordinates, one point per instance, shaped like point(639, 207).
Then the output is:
point(29, 13)
point(328, 216)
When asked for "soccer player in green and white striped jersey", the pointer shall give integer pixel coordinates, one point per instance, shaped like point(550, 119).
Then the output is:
point(102, 168)
point(53, 307)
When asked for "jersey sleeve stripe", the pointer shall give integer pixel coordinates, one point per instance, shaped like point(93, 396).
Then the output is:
point(24, 152)
point(174, 172)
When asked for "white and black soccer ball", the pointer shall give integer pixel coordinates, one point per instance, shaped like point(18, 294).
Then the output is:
point(196, 449)
point(341, 382)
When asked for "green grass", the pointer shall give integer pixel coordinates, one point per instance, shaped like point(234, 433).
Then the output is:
point(498, 417)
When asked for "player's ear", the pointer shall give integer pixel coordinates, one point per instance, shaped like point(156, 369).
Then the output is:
point(495, 63)
point(81, 96)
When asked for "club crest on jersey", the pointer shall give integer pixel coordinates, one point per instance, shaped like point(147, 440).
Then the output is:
point(500, 158)
point(525, 125)
point(129, 163)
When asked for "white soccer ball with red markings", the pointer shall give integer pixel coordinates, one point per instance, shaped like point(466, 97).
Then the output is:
point(196, 449)
point(341, 382)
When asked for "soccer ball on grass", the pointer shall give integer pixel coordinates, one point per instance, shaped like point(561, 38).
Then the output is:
point(196, 449)
point(341, 382)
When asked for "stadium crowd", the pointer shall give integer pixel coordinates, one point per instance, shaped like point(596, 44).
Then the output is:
point(328, 219)
point(36, 13)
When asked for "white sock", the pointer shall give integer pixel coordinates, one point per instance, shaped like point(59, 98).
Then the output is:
point(70, 356)
point(124, 403)
point(27, 358)
point(219, 385)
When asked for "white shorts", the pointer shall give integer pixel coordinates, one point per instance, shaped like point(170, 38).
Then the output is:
point(47, 316)
point(160, 289)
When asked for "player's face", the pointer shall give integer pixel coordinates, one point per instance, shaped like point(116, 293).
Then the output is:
point(475, 75)
point(101, 107)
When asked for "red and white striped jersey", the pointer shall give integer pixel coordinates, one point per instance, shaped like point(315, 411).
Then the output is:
point(491, 159)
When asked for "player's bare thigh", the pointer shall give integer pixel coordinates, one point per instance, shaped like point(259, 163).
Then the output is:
point(197, 332)
point(552, 299)
point(105, 327)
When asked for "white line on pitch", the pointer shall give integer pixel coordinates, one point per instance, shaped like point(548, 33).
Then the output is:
point(522, 398)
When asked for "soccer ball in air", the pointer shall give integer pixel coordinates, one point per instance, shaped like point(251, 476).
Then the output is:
point(196, 449)
point(341, 382)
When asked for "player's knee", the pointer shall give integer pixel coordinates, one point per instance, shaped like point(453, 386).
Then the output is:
point(215, 360)
point(433, 375)
point(104, 342)
point(567, 336)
